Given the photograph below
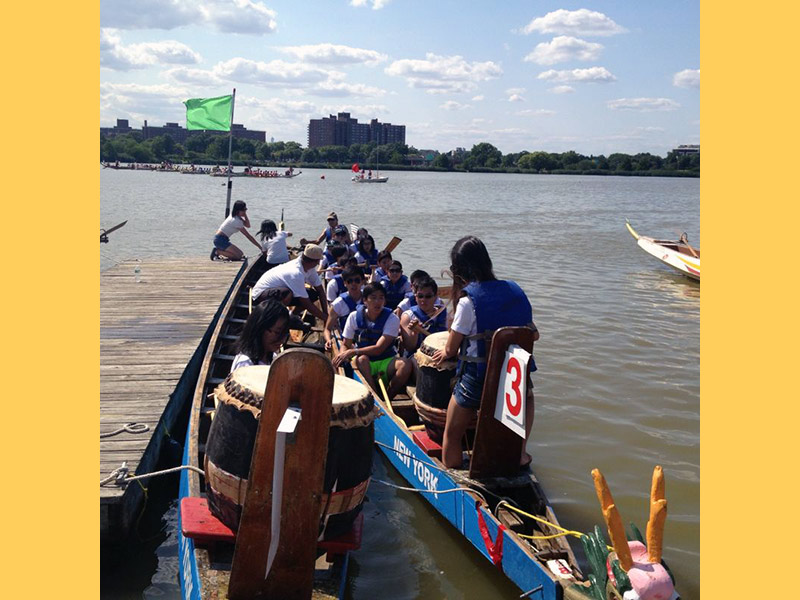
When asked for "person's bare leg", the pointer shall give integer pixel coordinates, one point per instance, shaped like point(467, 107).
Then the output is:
point(231, 252)
point(362, 364)
point(398, 373)
point(458, 419)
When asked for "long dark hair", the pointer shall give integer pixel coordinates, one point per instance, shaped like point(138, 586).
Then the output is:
point(237, 206)
point(360, 246)
point(268, 229)
point(264, 316)
point(469, 261)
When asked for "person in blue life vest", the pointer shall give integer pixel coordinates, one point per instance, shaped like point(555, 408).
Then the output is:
point(369, 336)
point(327, 233)
point(335, 285)
point(361, 233)
point(366, 253)
point(485, 304)
point(421, 319)
point(396, 285)
point(330, 258)
point(411, 298)
point(382, 270)
point(344, 304)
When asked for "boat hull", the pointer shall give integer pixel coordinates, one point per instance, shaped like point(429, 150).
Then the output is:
point(674, 254)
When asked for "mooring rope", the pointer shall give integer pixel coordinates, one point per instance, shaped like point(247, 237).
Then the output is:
point(426, 491)
point(129, 427)
point(120, 475)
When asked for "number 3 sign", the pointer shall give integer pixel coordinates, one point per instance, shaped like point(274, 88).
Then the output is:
point(511, 390)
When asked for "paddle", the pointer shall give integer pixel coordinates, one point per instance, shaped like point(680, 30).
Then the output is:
point(393, 243)
point(281, 225)
point(684, 239)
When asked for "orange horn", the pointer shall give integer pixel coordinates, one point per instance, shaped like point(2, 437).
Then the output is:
point(658, 516)
point(613, 521)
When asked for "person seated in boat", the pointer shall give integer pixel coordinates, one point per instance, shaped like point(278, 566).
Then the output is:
point(344, 304)
point(485, 304)
point(382, 270)
point(396, 285)
point(327, 233)
point(369, 336)
point(335, 285)
point(410, 298)
point(237, 221)
point(366, 254)
point(370, 174)
point(264, 332)
point(294, 275)
point(342, 236)
point(422, 319)
point(331, 256)
point(361, 233)
point(273, 243)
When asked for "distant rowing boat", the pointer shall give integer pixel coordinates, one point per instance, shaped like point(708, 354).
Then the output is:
point(679, 255)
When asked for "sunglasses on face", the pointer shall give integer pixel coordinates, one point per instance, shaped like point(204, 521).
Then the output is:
point(425, 296)
point(395, 270)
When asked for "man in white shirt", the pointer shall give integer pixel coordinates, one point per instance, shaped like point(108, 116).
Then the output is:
point(293, 276)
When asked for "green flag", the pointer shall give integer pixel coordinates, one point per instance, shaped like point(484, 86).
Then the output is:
point(209, 113)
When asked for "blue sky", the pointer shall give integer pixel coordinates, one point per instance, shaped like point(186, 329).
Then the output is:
point(594, 77)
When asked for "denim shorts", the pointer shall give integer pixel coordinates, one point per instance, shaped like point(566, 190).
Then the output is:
point(468, 391)
point(221, 241)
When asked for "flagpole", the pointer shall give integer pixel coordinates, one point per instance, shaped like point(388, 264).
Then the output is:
point(230, 146)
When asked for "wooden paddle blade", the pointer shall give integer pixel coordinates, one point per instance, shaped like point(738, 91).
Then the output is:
point(393, 243)
point(497, 449)
point(298, 377)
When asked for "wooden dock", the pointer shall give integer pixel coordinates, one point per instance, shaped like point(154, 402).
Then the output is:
point(153, 336)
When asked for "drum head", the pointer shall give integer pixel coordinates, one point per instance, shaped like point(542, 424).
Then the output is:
point(353, 405)
point(432, 343)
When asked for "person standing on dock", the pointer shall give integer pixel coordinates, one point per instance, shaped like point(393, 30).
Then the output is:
point(237, 221)
point(293, 275)
point(485, 304)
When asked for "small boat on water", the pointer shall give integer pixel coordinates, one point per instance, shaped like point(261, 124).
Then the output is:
point(363, 179)
point(678, 254)
point(210, 565)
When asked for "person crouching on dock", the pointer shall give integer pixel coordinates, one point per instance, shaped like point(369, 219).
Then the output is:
point(369, 335)
point(485, 305)
point(237, 221)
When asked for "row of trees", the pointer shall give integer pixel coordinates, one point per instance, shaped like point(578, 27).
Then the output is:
point(213, 148)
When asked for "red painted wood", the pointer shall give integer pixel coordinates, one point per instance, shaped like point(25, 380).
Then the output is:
point(431, 448)
point(198, 523)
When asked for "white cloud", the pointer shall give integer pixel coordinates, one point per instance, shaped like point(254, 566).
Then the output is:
point(274, 73)
point(688, 78)
point(139, 102)
point(516, 98)
point(561, 89)
point(341, 89)
point(477, 98)
point(515, 90)
point(535, 112)
point(227, 16)
point(574, 22)
point(333, 54)
point(376, 4)
point(444, 74)
point(201, 77)
point(562, 49)
point(643, 104)
point(453, 105)
point(590, 75)
point(114, 55)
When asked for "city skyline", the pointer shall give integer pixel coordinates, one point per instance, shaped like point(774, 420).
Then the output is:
point(552, 76)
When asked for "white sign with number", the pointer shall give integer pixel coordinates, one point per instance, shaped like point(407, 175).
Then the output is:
point(511, 390)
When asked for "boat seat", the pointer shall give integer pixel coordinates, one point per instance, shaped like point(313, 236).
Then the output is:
point(431, 448)
point(199, 524)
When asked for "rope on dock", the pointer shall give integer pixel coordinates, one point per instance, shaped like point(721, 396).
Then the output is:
point(121, 478)
point(129, 427)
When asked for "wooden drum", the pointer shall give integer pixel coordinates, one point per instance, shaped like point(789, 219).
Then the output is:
point(434, 385)
point(232, 435)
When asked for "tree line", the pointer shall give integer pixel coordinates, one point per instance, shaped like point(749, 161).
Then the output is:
point(208, 148)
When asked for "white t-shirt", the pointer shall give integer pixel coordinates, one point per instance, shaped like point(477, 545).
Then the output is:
point(231, 225)
point(466, 323)
point(276, 248)
point(390, 328)
point(333, 291)
point(289, 275)
point(340, 307)
point(242, 360)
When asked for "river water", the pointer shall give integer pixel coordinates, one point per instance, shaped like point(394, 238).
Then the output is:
point(618, 385)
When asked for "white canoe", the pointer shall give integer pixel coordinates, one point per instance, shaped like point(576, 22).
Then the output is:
point(677, 254)
point(368, 180)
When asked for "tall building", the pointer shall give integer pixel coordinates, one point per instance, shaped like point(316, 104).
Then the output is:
point(342, 130)
point(178, 133)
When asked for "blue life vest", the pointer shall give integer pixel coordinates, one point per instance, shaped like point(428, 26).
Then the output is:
point(412, 299)
point(379, 274)
point(328, 234)
point(340, 287)
point(370, 259)
point(497, 304)
point(369, 335)
point(351, 304)
point(394, 292)
point(329, 257)
point(438, 324)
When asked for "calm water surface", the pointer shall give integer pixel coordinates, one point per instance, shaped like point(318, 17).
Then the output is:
point(618, 385)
